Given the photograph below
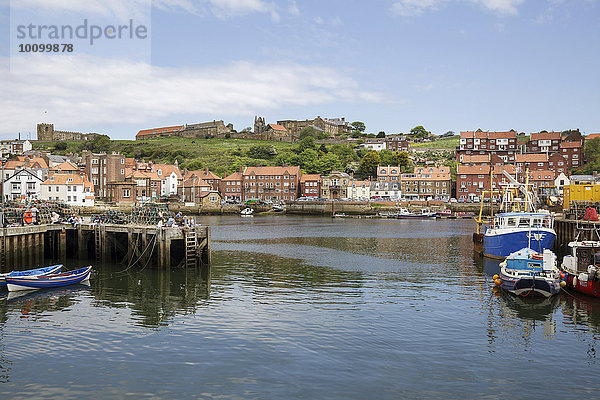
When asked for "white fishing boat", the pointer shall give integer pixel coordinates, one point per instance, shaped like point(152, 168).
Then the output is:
point(246, 212)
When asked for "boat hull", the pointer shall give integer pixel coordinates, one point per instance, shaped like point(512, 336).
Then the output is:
point(590, 288)
point(48, 281)
point(501, 244)
point(31, 272)
point(531, 286)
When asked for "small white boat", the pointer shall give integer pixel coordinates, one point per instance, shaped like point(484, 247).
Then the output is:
point(247, 211)
point(425, 213)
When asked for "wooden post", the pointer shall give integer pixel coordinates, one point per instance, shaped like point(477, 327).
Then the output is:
point(167, 251)
point(62, 245)
point(104, 244)
point(146, 254)
point(29, 246)
point(160, 234)
point(19, 251)
point(36, 248)
point(82, 249)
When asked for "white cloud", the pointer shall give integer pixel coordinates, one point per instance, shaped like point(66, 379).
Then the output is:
point(413, 8)
point(293, 8)
point(80, 91)
point(107, 8)
point(137, 8)
point(507, 7)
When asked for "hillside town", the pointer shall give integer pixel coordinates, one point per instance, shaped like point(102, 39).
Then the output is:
point(86, 178)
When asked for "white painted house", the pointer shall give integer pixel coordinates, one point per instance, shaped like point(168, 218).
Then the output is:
point(75, 190)
point(561, 181)
point(23, 184)
point(359, 190)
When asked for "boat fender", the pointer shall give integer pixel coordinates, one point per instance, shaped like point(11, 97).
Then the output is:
point(563, 283)
point(495, 277)
point(498, 282)
point(574, 281)
point(27, 217)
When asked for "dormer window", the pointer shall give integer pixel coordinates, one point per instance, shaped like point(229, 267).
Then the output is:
point(70, 180)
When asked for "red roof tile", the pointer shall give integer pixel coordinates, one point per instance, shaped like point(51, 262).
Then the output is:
point(158, 131)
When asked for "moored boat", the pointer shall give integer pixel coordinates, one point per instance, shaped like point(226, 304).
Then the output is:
point(16, 283)
point(528, 273)
point(580, 270)
point(518, 225)
point(53, 269)
point(247, 211)
point(425, 213)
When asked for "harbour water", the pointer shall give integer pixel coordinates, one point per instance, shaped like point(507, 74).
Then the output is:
point(303, 307)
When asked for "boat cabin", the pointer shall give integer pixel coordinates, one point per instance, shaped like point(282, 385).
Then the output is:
point(585, 255)
point(521, 220)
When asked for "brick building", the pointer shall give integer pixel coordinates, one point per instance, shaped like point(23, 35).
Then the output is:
point(207, 176)
point(503, 144)
point(541, 178)
point(397, 143)
point(231, 186)
point(472, 181)
point(427, 182)
point(100, 169)
point(271, 183)
point(388, 174)
point(532, 161)
point(544, 142)
point(310, 186)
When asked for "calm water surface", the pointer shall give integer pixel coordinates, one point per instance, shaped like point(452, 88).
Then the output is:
point(303, 307)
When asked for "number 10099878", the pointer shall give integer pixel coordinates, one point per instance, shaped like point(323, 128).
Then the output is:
point(45, 48)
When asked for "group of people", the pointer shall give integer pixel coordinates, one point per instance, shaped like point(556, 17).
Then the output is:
point(178, 220)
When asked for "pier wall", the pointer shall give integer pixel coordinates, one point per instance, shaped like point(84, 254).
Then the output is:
point(148, 246)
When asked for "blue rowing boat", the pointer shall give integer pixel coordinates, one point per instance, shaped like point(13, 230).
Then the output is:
point(16, 283)
point(53, 269)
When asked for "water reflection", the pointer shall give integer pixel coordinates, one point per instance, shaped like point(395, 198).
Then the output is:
point(153, 295)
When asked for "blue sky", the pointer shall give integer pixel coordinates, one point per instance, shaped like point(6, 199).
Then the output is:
point(454, 65)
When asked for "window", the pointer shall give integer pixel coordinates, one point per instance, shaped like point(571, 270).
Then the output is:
point(122, 161)
point(126, 193)
point(122, 171)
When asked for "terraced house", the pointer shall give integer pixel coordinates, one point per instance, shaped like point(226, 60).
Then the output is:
point(271, 183)
point(503, 144)
point(427, 183)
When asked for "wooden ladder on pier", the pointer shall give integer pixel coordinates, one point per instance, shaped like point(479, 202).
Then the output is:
point(97, 243)
point(191, 245)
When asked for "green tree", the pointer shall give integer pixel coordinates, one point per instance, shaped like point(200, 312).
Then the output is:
point(419, 132)
point(323, 149)
point(401, 159)
point(60, 146)
point(311, 131)
point(327, 163)
point(368, 165)
point(264, 151)
point(345, 152)
point(307, 143)
point(381, 134)
point(358, 126)
point(387, 157)
point(100, 143)
point(591, 152)
point(308, 160)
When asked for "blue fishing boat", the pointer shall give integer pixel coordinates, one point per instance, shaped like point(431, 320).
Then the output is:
point(510, 232)
point(528, 273)
point(16, 283)
point(518, 225)
point(53, 269)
